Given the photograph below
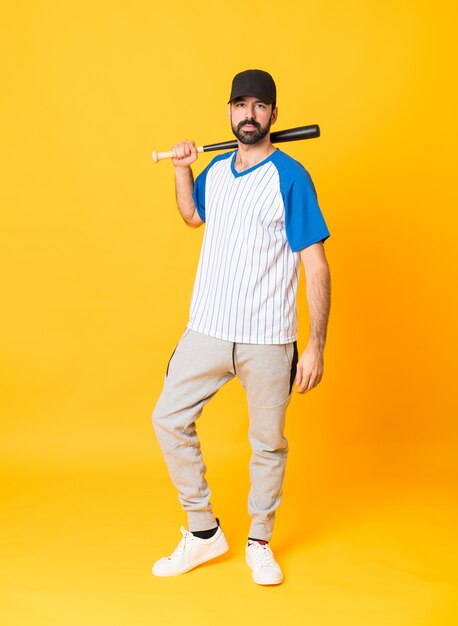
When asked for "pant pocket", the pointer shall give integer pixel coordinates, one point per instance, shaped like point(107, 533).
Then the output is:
point(186, 331)
point(168, 364)
point(293, 366)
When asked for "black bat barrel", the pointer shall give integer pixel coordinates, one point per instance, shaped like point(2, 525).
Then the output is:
point(292, 134)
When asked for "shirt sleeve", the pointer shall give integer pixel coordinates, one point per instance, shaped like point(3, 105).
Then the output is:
point(304, 222)
point(198, 193)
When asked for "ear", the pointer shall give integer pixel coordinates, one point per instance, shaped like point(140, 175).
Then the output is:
point(274, 115)
point(229, 111)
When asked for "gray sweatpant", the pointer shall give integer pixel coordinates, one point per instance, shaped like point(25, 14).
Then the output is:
point(198, 367)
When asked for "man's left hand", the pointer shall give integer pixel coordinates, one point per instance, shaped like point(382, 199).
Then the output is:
point(309, 369)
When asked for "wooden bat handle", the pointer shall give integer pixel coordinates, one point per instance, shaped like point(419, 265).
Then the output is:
point(157, 156)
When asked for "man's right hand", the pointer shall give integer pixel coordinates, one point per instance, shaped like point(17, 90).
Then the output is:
point(184, 153)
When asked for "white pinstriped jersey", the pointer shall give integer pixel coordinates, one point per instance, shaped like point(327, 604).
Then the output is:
point(256, 221)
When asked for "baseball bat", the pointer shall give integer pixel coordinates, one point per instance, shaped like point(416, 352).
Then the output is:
point(279, 136)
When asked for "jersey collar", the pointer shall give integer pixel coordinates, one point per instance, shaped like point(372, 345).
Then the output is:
point(250, 169)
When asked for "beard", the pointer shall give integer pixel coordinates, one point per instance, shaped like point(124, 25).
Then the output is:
point(250, 136)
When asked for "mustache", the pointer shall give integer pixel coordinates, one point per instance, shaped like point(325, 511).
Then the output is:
point(250, 122)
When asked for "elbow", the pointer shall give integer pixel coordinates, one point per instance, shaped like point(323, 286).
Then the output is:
point(320, 276)
point(318, 268)
point(188, 221)
point(194, 221)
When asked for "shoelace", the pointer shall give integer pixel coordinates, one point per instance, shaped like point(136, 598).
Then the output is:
point(263, 555)
point(187, 538)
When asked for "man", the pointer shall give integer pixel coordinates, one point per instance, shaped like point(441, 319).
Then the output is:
point(262, 217)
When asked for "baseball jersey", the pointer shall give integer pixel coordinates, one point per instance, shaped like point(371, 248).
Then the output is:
point(256, 221)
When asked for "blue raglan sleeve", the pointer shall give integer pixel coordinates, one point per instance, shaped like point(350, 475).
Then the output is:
point(198, 193)
point(304, 222)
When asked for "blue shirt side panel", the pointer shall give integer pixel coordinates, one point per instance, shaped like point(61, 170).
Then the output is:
point(304, 222)
point(198, 193)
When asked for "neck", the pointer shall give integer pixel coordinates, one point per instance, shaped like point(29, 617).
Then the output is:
point(249, 155)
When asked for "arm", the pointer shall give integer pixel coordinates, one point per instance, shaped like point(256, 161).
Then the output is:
point(185, 153)
point(311, 364)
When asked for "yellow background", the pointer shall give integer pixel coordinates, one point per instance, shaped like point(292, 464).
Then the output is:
point(97, 274)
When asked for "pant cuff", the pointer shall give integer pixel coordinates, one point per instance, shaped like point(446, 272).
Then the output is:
point(201, 520)
point(261, 531)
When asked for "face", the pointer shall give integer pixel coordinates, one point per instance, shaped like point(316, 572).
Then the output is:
point(251, 119)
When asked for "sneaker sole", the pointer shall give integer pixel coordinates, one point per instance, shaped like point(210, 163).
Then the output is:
point(222, 550)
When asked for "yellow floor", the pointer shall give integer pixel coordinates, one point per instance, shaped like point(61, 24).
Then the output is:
point(77, 546)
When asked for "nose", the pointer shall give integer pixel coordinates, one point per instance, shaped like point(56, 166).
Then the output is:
point(250, 111)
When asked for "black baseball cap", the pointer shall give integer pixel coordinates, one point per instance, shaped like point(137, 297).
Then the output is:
point(254, 83)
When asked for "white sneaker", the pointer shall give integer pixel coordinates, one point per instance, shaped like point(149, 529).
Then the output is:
point(266, 570)
point(190, 552)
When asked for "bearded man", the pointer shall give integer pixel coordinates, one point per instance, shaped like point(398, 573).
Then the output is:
point(262, 219)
